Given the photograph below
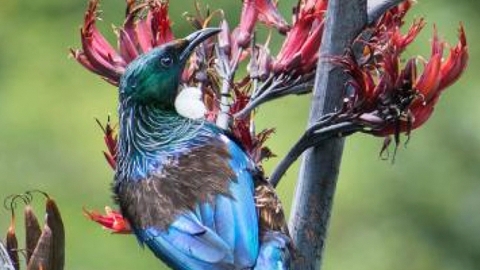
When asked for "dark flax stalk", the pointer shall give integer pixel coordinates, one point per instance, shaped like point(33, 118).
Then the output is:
point(320, 165)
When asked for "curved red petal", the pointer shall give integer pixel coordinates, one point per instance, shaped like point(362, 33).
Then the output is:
point(112, 220)
point(248, 18)
point(126, 45)
point(309, 49)
point(429, 81)
point(269, 14)
point(452, 68)
point(422, 112)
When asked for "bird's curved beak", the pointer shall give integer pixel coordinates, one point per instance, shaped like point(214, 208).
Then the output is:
point(188, 44)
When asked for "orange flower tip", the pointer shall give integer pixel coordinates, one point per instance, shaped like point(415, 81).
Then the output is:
point(73, 52)
point(11, 229)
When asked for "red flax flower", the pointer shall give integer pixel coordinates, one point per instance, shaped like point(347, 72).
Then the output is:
point(110, 138)
point(138, 35)
point(299, 51)
point(258, 10)
point(394, 100)
point(112, 220)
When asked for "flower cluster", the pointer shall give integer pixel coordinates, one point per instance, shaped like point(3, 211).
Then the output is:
point(291, 70)
point(391, 96)
point(135, 37)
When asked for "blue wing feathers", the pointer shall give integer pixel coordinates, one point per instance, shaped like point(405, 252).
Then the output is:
point(223, 220)
point(222, 234)
point(245, 216)
point(188, 223)
point(191, 245)
point(245, 221)
point(206, 213)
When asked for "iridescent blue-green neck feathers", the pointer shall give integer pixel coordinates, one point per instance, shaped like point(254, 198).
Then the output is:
point(150, 135)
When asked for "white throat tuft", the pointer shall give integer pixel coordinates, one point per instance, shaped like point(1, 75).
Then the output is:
point(189, 104)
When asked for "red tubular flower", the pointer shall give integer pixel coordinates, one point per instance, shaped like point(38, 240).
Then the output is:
point(403, 40)
point(224, 39)
point(393, 18)
point(110, 138)
point(456, 62)
point(264, 62)
point(112, 220)
point(138, 35)
point(248, 19)
point(257, 10)
point(269, 15)
point(260, 62)
point(300, 48)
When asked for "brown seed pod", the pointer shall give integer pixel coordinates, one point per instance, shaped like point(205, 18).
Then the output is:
point(32, 231)
point(12, 245)
point(11, 242)
point(41, 257)
point(55, 223)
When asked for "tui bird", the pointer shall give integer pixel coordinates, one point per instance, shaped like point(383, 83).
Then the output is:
point(184, 185)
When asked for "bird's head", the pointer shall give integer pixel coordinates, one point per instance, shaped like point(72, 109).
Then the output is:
point(153, 78)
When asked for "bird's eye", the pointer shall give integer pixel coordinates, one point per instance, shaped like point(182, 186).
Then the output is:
point(166, 61)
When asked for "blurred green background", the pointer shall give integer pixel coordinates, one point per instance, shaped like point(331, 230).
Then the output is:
point(423, 212)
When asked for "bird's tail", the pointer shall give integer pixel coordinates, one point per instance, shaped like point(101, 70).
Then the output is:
point(275, 252)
